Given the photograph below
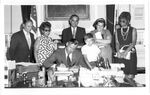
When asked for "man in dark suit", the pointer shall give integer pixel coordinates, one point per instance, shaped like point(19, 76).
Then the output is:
point(73, 32)
point(22, 43)
point(68, 57)
point(61, 56)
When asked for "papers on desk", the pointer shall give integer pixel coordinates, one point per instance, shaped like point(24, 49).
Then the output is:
point(62, 69)
point(63, 46)
point(26, 63)
point(63, 73)
point(95, 77)
point(27, 67)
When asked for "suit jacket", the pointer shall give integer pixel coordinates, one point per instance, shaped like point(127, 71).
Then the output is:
point(19, 50)
point(67, 35)
point(59, 56)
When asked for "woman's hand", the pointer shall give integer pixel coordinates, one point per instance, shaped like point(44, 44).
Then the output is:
point(62, 66)
point(119, 54)
point(125, 54)
point(55, 44)
point(39, 64)
point(56, 41)
point(122, 54)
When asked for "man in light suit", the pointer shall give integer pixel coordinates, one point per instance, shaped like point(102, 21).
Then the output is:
point(73, 32)
point(22, 43)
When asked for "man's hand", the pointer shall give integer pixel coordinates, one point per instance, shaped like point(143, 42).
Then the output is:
point(39, 64)
point(62, 65)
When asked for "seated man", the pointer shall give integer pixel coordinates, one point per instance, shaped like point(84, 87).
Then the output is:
point(68, 56)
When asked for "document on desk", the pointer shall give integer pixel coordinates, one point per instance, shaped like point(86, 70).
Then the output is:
point(92, 78)
point(26, 63)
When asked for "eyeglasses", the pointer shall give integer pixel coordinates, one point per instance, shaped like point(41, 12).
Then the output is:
point(75, 21)
point(123, 21)
point(46, 30)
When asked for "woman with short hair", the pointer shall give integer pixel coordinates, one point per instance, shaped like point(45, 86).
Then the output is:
point(103, 39)
point(126, 37)
point(44, 46)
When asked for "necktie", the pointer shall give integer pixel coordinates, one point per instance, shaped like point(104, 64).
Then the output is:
point(74, 33)
point(28, 40)
point(68, 61)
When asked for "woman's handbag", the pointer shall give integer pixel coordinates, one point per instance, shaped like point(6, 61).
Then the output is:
point(123, 48)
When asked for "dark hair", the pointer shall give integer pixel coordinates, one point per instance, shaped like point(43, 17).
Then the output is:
point(27, 20)
point(125, 15)
point(88, 36)
point(73, 41)
point(101, 20)
point(43, 26)
point(74, 15)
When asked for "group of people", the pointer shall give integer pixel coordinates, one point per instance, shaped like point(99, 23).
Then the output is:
point(96, 44)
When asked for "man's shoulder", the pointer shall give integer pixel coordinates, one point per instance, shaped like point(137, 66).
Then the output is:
point(82, 28)
point(93, 31)
point(16, 33)
point(84, 46)
point(77, 52)
point(59, 51)
point(67, 28)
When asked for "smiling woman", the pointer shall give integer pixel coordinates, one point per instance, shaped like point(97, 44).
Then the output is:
point(44, 46)
point(127, 35)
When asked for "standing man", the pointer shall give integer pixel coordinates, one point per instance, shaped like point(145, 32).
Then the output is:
point(73, 32)
point(22, 44)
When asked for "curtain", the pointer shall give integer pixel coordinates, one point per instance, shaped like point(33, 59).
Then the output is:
point(26, 11)
point(110, 14)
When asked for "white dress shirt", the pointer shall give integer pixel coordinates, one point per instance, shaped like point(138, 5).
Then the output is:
point(28, 38)
point(70, 55)
point(74, 31)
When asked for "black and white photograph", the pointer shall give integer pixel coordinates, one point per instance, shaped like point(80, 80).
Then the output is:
point(72, 48)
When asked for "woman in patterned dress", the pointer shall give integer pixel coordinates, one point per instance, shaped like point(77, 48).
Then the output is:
point(126, 35)
point(103, 38)
point(44, 46)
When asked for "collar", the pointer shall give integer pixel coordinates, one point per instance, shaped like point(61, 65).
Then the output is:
point(70, 55)
point(72, 28)
point(25, 32)
point(66, 52)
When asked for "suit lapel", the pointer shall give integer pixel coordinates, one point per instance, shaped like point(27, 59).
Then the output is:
point(24, 39)
point(64, 57)
point(73, 58)
point(77, 32)
point(70, 32)
point(32, 39)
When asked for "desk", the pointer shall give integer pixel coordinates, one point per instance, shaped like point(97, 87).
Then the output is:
point(66, 78)
point(83, 78)
point(99, 78)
